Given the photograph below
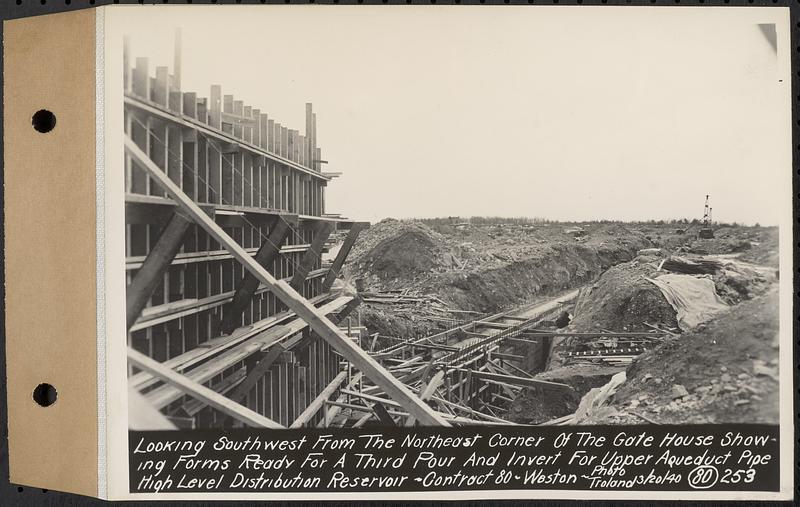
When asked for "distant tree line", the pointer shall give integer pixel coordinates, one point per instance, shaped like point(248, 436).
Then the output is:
point(479, 221)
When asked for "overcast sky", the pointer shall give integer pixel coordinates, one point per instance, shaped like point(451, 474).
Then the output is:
point(563, 113)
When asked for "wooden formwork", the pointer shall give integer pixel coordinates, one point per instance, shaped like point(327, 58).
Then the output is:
point(261, 182)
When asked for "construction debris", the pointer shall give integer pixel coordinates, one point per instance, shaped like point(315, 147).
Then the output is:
point(678, 391)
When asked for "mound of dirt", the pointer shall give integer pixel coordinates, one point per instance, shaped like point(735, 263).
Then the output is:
point(399, 250)
point(754, 244)
point(728, 368)
point(622, 300)
point(764, 249)
point(738, 281)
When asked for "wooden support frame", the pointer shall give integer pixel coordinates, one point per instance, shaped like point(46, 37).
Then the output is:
point(155, 265)
point(369, 397)
point(164, 395)
point(302, 308)
point(201, 392)
point(508, 357)
point(344, 251)
point(216, 346)
point(214, 131)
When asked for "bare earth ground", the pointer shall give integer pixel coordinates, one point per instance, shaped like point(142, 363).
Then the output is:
point(729, 367)
point(726, 365)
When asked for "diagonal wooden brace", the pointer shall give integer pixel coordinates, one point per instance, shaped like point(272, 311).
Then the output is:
point(154, 266)
point(247, 287)
point(344, 251)
point(314, 407)
point(258, 371)
point(322, 232)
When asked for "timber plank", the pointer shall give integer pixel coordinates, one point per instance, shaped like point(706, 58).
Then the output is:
point(201, 392)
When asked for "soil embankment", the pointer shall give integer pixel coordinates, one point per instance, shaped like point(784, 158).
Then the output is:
point(625, 299)
point(484, 268)
point(728, 368)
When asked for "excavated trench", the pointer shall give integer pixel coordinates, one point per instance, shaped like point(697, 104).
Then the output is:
point(549, 272)
point(469, 276)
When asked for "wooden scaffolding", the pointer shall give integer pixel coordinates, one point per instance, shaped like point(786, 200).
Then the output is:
point(230, 314)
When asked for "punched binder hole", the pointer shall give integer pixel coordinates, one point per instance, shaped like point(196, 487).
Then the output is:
point(45, 395)
point(43, 121)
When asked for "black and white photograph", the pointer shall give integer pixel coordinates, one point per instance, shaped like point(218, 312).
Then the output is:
point(339, 218)
point(400, 251)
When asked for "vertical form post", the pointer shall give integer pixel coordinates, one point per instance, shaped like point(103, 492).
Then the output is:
point(255, 137)
point(302, 159)
point(126, 62)
point(215, 107)
point(141, 78)
point(263, 131)
point(322, 232)
point(284, 142)
point(161, 91)
point(190, 105)
point(238, 111)
point(315, 165)
point(176, 69)
point(309, 135)
point(248, 127)
point(270, 141)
